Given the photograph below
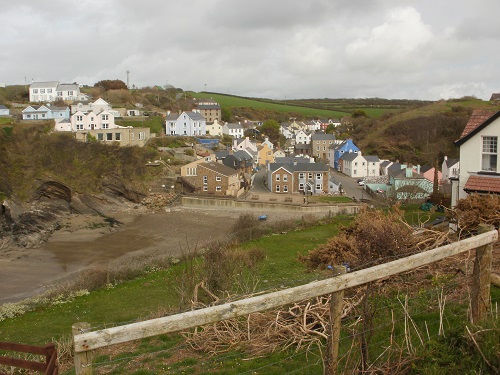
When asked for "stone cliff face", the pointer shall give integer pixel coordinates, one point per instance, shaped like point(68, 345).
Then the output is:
point(30, 224)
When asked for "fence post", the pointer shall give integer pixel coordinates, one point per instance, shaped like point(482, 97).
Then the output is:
point(334, 325)
point(481, 278)
point(83, 360)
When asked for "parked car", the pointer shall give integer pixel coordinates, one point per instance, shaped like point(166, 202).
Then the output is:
point(361, 183)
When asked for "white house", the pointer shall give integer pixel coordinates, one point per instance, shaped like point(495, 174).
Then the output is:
point(450, 169)
point(302, 137)
point(372, 166)
point(45, 112)
point(353, 164)
point(85, 121)
point(53, 90)
point(188, 123)
point(479, 167)
point(4, 111)
point(286, 131)
point(97, 106)
point(234, 130)
point(268, 143)
point(244, 144)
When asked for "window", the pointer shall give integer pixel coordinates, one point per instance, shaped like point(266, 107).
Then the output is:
point(100, 137)
point(49, 91)
point(490, 154)
point(277, 188)
point(42, 91)
point(79, 126)
point(277, 177)
point(218, 188)
point(70, 93)
point(319, 176)
point(109, 136)
point(205, 179)
point(319, 187)
point(104, 117)
point(355, 163)
point(301, 186)
point(105, 126)
point(285, 189)
point(301, 175)
point(59, 93)
point(142, 135)
point(218, 178)
point(285, 178)
point(310, 175)
point(35, 91)
point(79, 118)
point(205, 188)
point(118, 137)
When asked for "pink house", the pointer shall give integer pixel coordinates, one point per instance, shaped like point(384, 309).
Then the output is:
point(427, 172)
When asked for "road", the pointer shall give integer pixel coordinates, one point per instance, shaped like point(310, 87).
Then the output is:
point(350, 185)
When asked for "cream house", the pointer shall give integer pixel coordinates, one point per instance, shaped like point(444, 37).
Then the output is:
point(479, 168)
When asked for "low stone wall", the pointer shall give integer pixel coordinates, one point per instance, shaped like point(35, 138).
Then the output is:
point(262, 207)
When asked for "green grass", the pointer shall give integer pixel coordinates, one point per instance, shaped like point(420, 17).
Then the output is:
point(6, 120)
point(155, 123)
point(152, 293)
point(228, 101)
point(328, 199)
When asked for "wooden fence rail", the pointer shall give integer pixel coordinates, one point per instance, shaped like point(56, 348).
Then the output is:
point(84, 343)
point(49, 351)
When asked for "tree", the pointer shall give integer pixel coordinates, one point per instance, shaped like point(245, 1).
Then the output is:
point(271, 128)
point(359, 113)
point(226, 114)
point(108, 84)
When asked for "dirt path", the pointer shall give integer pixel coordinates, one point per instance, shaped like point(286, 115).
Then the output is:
point(83, 243)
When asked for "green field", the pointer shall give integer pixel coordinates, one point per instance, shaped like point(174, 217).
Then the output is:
point(227, 101)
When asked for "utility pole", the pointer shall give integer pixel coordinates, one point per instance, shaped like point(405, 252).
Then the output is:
point(128, 79)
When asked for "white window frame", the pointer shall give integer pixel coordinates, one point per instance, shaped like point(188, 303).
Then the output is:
point(489, 153)
point(218, 188)
point(218, 178)
point(277, 177)
point(277, 189)
point(285, 188)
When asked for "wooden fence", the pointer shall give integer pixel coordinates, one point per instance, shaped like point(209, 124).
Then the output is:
point(49, 351)
point(85, 342)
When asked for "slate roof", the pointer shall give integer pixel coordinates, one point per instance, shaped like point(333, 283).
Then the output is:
point(322, 137)
point(67, 86)
point(195, 116)
point(3, 107)
point(219, 168)
point(290, 160)
point(425, 168)
point(300, 167)
point(372, 158)
point(385, 163)
point(349, 156)
point(483, 183)
point(208, 106)
point(479, 119)
point(451, 162)
point(234, 126)
point(495, 96)
point(43, 85)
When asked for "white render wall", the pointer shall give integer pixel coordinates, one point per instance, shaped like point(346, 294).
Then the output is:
point(470, 154)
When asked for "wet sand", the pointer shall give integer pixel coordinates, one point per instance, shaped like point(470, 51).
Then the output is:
point(81, 243)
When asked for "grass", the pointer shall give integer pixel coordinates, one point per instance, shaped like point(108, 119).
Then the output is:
point(152, 294)
point(154, 123)
point(228, 101)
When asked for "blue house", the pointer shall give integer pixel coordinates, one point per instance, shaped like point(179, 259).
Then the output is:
point(339, 150)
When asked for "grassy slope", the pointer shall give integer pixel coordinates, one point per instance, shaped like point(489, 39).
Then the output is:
point(228, 101)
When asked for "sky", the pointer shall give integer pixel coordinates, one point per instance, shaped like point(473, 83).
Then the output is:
point(279, 49)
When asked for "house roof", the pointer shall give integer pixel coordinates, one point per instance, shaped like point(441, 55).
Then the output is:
point(302, 146)
point(483, 183)
point(234, 126)
point(372, 158)
point(479, 119)
point(495, 96)
point(451, 162)
point(192, 115)
point(3, 107)
point(349, 156)
point(410, 188)
point(219, 168)
point(205, 106)
point(68, 86)
point(300, 167)
point(322, 137)
point(425, 168)
point(43, 85)
point(385, 163)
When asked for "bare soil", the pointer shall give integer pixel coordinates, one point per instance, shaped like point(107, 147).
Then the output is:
point(88, 241)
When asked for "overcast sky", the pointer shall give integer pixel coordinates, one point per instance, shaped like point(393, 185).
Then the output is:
point(282, 49)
